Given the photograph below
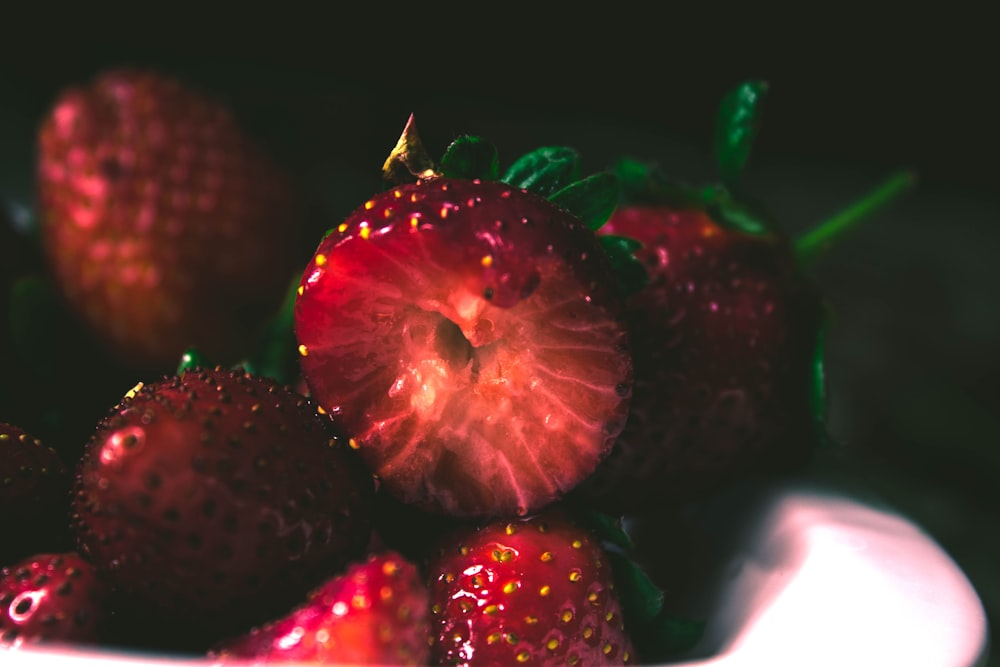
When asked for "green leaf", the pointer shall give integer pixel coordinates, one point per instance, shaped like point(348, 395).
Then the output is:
point(642, 600)
point(667, 636)
point(737, 214)
point(592, 199)
point(192, 358)
point(645, 183)
point(471, 157)
point(818, 388)
point(544, 170)
point(631, 274)
point(609, 529)
point(736, 127)
point(276, 354)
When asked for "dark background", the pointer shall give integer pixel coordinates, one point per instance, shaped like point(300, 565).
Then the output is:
point(912, 355)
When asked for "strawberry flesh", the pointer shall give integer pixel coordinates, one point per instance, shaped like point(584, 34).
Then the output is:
point(467, 335)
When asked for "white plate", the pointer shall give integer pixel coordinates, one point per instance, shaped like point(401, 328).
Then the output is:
point(811, 573)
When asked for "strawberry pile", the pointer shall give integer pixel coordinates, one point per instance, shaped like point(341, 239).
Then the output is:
point(424, 455)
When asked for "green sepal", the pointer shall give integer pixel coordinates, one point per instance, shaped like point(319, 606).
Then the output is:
point(36, 318)
point(632, 275)
point(609, 529)
point(470, 158)
point(592, 199)
point(736, 126)
point(657, 634)
point(818, 397)
point(737, 214)
point(544, 171)
point(645, 183)
point(191, 359)
point(276, 355)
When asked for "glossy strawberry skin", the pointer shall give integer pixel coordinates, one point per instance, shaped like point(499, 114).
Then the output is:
point(724, 338)
point(468, 336)
point(375, 613)
point(34, 497)
point(52, 598)
point(219, 497)
point(534, 591)
point(164, 225)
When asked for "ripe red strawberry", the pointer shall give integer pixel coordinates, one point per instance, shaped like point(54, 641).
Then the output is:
point(375, 613)
point(534, 590)
point(34, 497)
point(50, 597)
point(466, 333)
point(218, 496)
point(164, 224)
point(724, 337)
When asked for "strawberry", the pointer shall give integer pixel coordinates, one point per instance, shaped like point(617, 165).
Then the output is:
point(34, 496)
point(535, 590)
point(218, 496)
point(726, 331)
point(466, 333)
point(163, 223)
point(50, 597)
point(375, 613)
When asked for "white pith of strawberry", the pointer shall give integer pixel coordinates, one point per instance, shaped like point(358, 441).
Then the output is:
point(216, 497)
point(377, 612)
point(164, 224)
point(466, 334)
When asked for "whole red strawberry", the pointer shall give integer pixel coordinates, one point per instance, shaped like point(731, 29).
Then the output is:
point(164, 225)
point(724, 336)
point(50, 597)
point(534, 591)
point(375, 613)
point(219, 497)
point(466, 333)
point(34, 497)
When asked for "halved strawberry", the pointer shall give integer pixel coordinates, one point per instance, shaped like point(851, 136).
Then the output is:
point(466, 333)
point(164, 223)
point(535, 590)
point(375, 613)
point(218, 497)
point(50, 597)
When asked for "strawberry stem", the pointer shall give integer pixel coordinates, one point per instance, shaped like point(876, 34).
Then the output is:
point(814, 243)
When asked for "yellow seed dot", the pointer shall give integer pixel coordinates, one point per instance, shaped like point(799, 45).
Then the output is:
point(353, 444)
point(575, 575)
point(300, 290)
point(530, 619)
point(487, 260)
point(397, 194)
point(576, 544)
point(388, 213)
point(592, 598)
point(566, 616)
point(573, 660)
point(303, 350)
point(360, 601)
point(414, 221)
point(369, 205)
point(322, 411)
point(414, 197)
point(545, 557)
point(607, 648)
point(444, 212)
point(320, 260)
point(552, 644)
point(342, 227)
point(588, 632)
point(544, 590)
point(512, 639)
point(449, 578)
point(464, 550)
point(365, 232)
point(436, 608)
point(511, 586)
point(133, 391)
point(509, 529)
point(610, 616)
point(493, 638)
point(523, 656)
point(390, 568)
point(491, 609)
